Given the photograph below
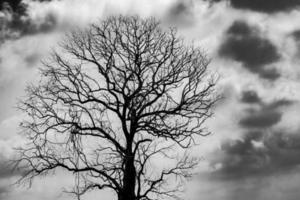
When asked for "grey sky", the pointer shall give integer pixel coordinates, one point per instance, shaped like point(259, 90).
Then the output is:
point(254, 152)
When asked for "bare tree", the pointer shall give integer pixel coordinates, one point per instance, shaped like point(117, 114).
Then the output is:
point(120, 98)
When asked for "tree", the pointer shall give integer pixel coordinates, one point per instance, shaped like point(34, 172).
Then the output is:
point(119, 97)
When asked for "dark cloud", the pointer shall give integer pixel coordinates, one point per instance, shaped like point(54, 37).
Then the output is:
point(15, 5)
point(16, 22)
point(179, 8)
point(181, 14)
point(241, 28)
point(3, 191)
point(261, 151)
point(244, 44)
point(265, 6)
point(296, 35)
point(29, 27)
point(32, 59)
point(260, 118)
point(268, 6)
point(279, 103)
point(7, 169)
point(260, 154)
point(239, 159)
point(284, 149)
point(250, 97)
point(269, 74)
point(263, 116)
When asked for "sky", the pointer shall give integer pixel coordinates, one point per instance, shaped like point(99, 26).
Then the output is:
point(254, 149)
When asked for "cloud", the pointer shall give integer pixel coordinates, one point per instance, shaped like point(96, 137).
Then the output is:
point(296, 35)
point(296, 39)
point(3, 191)
point(7, 173)
point(269, 74)
point(267, 188)
point(260, 118)
point(16, 21)
point(265, 115)
point(262, 150)
point(206, 27)
point(6, 168)
point(16, 5)
point(28, 26)
point(180, 14)
point(259, 154)
point(250, 96)
point(7, 155)
point(243, 43)
point(264, 6)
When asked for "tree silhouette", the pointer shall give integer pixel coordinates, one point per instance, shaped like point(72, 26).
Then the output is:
point(119, 106)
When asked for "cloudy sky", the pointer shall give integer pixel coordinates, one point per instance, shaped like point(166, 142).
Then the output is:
point(254, 150)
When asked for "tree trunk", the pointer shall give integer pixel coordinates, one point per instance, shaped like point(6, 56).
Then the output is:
point(128, 191)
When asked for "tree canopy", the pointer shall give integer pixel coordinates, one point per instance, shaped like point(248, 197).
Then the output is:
point(119, 105)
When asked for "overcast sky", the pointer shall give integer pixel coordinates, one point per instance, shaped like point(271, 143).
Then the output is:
point(254, 151)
